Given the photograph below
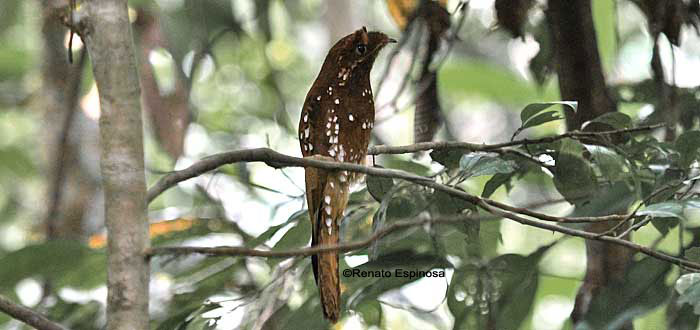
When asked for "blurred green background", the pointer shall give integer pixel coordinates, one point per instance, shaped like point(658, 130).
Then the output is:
point(228, 75)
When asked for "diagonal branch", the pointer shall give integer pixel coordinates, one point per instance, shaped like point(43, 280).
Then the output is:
point(242, 251)
point(28, 316)
point(399, 225)
point(277, 160)
point(423, 146)
point(272, 158)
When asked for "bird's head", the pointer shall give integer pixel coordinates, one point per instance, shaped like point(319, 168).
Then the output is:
point(357, 52)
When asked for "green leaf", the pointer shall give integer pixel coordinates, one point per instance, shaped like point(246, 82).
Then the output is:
point(687, 145)
point(478, 164)
point(504, 289)
point(688, 286)
point(446, 204)
point(534, 108)
point(379, 186)
point(616, 120)
point(296, 237)
point(66, 262)
point(542, 118)
point(448, 158)
point(519, 281)
point(611, 165)
point(371, 312)
point(643, 290)
point(15, 162)
point(573, 175)
point(693, 254)
point(670, 209)
point(495, 182)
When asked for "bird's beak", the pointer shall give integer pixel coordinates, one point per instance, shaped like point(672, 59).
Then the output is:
point(391, 41)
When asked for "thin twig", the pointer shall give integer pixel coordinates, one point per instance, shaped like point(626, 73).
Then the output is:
point(423, 146)
point(28, 316)
point(61, 150)
point(242, 251)
point(592, 236)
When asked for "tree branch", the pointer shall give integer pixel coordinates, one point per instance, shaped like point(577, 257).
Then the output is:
point(353, 246)
point(28, 316)
point(593, 236)
point(111, 48)
point(423, 146)
point(277, 160)
point(272, 158)
point(241, 251)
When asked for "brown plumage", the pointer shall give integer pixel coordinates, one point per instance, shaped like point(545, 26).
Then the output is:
point(336, 121)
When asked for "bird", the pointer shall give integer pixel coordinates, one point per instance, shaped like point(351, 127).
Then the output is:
point(336, 121)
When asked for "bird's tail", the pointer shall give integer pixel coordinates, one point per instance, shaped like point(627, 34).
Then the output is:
point(326, 273)
point(329, 206)
point(325, 266)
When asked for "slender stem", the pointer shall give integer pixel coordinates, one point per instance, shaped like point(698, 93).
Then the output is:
point(28, 316)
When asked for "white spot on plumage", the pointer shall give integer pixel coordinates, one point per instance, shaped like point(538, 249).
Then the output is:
point(363, 93)
point(318, 98)
point(328, 125)
point(330, 230)
point(311, 147)
point(364, 125)
point(306, 132)
point(329, 222)
point(331, 152)
point(328, 133)
point(306, 117)
point(351, 118)
point(327, 199)
point(337, 101)
point(328, 210)
point(332, 185)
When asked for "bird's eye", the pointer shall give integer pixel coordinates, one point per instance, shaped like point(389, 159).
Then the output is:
point(361, 49)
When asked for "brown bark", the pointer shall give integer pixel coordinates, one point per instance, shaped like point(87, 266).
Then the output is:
point(169, 114)
point(107, 35)
point(69, 191)
point(581, 78)
point(28, 316)
point(577, 60)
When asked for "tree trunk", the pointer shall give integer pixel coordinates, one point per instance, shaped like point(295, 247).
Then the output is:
point(108, 37)
point(581, 79)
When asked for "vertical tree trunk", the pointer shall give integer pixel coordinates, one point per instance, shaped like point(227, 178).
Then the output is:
point(581, 79)
point(578, 66)
point(69, 191)
point(107, 35)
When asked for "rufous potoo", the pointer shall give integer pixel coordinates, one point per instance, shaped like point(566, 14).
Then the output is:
point(335, 124)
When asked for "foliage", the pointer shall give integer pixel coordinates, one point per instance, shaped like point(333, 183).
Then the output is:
point(253, 64)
